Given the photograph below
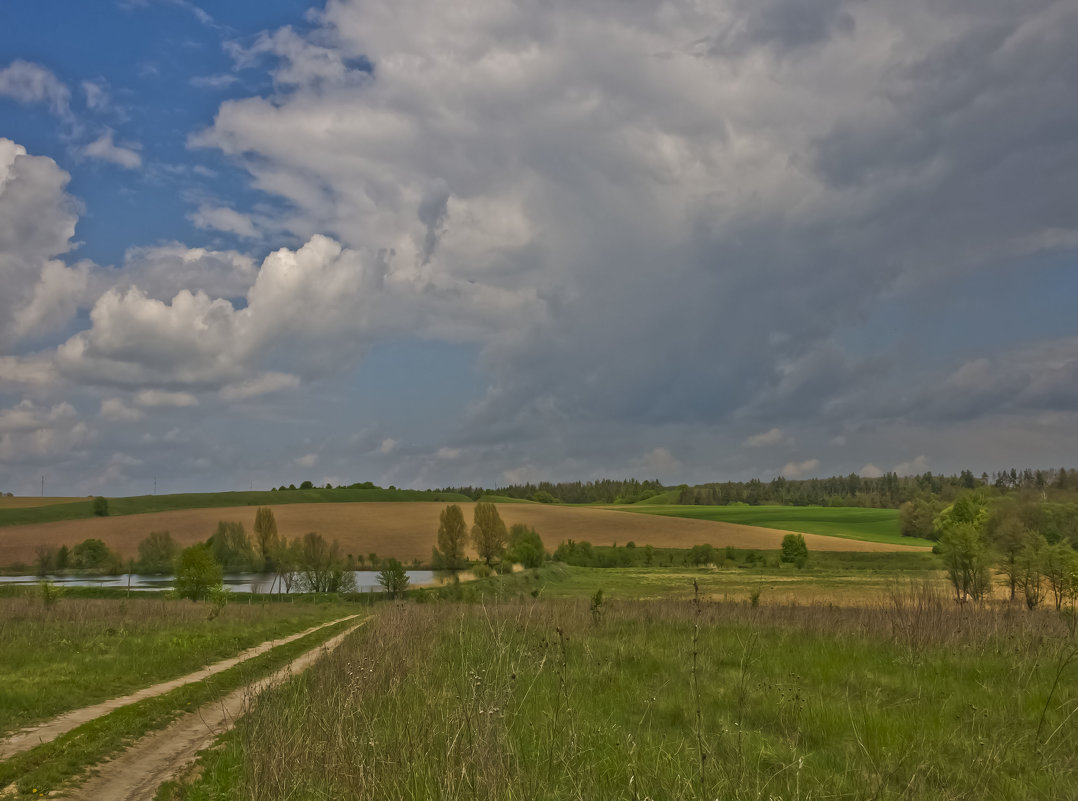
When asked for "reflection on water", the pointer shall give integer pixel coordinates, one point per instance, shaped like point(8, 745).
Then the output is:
point(366, 581)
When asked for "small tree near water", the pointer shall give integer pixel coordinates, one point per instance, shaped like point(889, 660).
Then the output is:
point(393, 578)
point(197, 573)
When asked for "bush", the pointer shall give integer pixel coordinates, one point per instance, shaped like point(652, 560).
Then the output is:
point(101, 506)
point(525, 546)
point(794, 549)
point(197, 573)
point(702, 554)
point(91, 554)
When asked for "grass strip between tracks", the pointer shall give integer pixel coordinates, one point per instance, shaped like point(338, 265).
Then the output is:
point(49, 766)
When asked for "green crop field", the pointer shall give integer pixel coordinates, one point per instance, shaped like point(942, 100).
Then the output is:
point(870, 525)
point(675, 700)
point(142, 504)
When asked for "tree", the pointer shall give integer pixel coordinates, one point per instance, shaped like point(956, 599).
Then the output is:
point(525, 546)
point(393, 578)
point(231, 548)
point(1058, 562)
point(1009, 537)
point(265, 531)
point(45, 558)
point(284, 555)
point(966, 558)
point(101, 506)
point(157, 552)
point(197, 573)
point(794, 549)
point(321, 565)
point(1031, 570)
point(452, 536)
point(488, 533)
point(962, 543)
point(917, 518)
point(702, 554)
point(91, 554)
point(306, 485)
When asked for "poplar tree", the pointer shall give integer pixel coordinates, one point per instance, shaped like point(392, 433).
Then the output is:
point(488, 532)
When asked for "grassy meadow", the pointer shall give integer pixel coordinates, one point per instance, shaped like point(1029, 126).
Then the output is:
point(868, 525)
point(839, 579)
point(79, 651)
point(52, 767)
point(911, 698)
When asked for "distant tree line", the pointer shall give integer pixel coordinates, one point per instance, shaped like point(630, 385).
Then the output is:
point(888, 491)
point(602, 491)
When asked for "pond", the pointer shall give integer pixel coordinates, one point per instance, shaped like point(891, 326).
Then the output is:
point(366, 581)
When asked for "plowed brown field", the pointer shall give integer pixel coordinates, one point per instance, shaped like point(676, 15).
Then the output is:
point(409, 530)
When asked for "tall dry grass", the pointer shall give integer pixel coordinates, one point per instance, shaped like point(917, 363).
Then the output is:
point(911, 698)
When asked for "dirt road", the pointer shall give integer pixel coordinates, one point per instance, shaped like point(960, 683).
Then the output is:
point(26, 739)
point(137, 772)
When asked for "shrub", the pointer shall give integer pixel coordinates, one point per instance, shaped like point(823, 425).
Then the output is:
point(794, 549)
point(91, 554)
point(101, 506)
point(701, 554)
point(525, 546)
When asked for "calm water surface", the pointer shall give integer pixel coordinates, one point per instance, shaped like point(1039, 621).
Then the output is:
point(366, 581)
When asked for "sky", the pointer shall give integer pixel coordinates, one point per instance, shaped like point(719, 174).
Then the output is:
point(428, 244)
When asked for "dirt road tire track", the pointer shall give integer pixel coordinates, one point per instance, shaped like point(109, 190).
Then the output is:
point(25, 739)
point(136, 773)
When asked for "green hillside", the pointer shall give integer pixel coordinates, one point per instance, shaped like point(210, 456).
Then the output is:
point(871, 525)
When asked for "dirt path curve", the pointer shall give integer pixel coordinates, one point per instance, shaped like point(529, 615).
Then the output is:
point(25, 739)
point(137, 773)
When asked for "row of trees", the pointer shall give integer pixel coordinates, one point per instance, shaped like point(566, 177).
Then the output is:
point(492, 541)
point(887, 491)
point(982, 544)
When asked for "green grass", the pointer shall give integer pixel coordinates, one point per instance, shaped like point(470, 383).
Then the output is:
point(840, 578)
point(142, 504)
point(870, 525)
point(553, 700)
point(80, 652)
point(54, 764)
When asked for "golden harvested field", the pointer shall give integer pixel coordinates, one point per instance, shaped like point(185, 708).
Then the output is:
point(409, 530)
point(29, 503)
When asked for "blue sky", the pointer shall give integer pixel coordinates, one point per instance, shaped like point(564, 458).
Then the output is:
point(248, 244)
